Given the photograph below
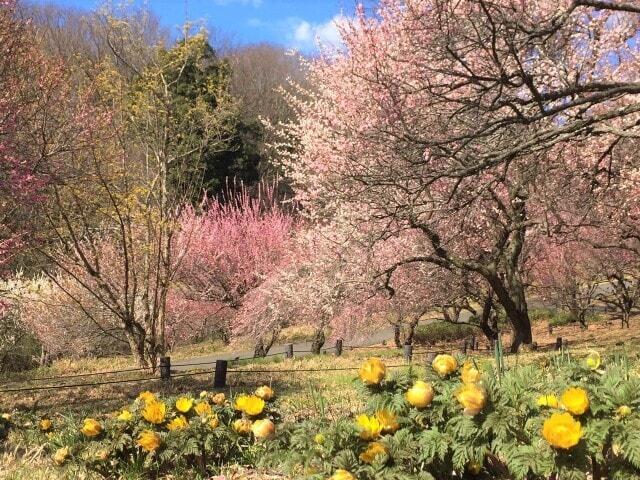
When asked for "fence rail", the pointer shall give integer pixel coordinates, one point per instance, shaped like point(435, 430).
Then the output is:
point(221, 368)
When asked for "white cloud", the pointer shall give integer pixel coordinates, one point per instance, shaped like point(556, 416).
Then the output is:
point(253, 3)
point(305, 35)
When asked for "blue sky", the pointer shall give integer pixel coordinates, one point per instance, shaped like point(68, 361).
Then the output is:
point(293, 23)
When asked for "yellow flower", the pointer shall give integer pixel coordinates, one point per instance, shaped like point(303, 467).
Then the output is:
point(373, 371)
point(154, 412)
point(125, 416)
point(45, 425)
point(184, 404)
point(218, 398)
point(61, 456)
point(374, 449)
point(149, 440)
point(549, 400)
point(444, 365)
point(249, 404)
point(472, 398)
point(470, 374)
point(203, 394)
point(575, 400)
point(388, 420)
point(420, 395)
point(263, 428)
point(623, 411)
point(242, 426)
point(213, 421)
point(370, 427)
point(319, 439)
point(593, 360)
point(561, 430)
point(91, 427)
point(264, 392)
point(203, 409)
point(147, 397)
point(6, 416)
point(342, 475)
point(178, 423)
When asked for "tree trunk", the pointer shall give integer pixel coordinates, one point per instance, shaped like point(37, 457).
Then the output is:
point(488, 320)
point(318, 341)
point(514, 303)
point(625, 318)
point(259, 350)
point(397, 335)
point(411, 330)
point(137, 347)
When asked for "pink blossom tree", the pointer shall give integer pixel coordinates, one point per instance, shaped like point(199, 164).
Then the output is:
point(232, 245)
point(568, 275)
point(453, 119)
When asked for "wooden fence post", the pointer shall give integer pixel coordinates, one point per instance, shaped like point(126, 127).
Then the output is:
point(220, 375)
point(165, 368)
point(550, 329)
point(408, 352)
point(338, 347)
point(430, 358)
point(558, 343)
point(288, 350)
point(473, 343)
point(464, 346)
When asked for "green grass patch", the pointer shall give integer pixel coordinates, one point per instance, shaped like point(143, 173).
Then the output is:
point(443, 332)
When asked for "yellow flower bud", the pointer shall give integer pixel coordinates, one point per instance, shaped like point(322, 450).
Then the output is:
point(370, 427)
point(444, 365)
point(374, 450)
point(623, 411)
point(318, 438)
point(420, 395)
point(561, 430)
point(388, 420)
point(549, 400)
point(45, 425)
point(125, 416)
point(154, 412)
point(178, 423)
point(149, 440)
point(263, 429)
point(91, 428)
point(472, 398)
point(264, 392)
point(373, 371)
point(184, 404)
point(242, 426)
point(61, 456)
point(593, 360)
point(470, 374)
point(147, 397)
point(213, 421)
point(249, 404)
point(342, 475)
point(203, 409)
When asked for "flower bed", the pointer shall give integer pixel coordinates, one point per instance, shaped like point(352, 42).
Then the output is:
point(556, 419)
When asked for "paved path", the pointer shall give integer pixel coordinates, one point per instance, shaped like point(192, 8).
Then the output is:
point(302, 348)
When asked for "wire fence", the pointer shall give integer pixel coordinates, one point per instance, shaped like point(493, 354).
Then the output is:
point(221, 366)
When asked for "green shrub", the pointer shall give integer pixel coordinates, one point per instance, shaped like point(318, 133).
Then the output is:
point(443, 332)
point(558, 317)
